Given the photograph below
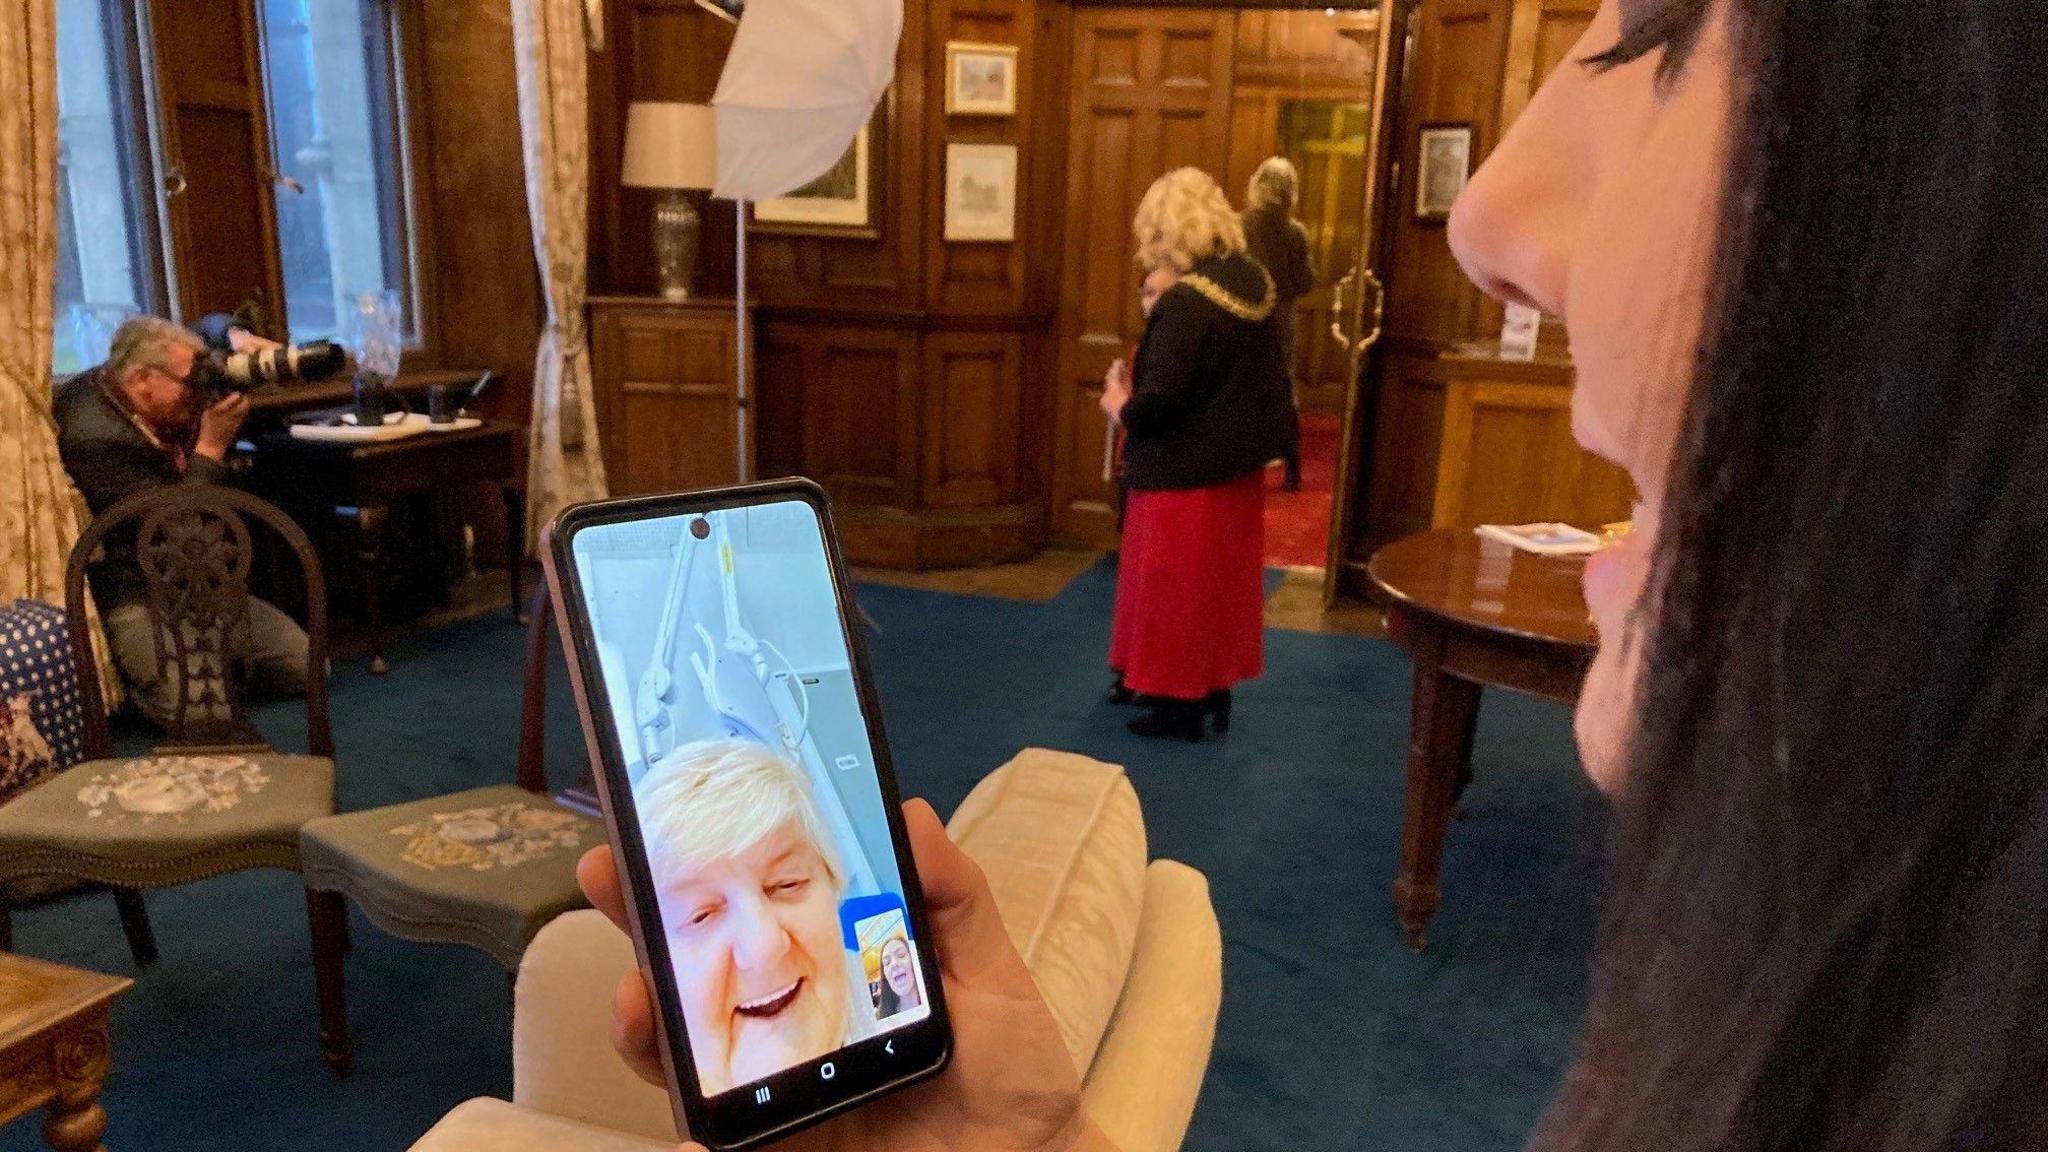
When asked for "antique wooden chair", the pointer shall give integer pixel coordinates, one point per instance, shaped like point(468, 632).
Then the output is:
point(488, 867)
point(215, 797)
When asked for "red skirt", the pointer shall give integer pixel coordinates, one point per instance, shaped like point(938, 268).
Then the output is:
point(1190, 589)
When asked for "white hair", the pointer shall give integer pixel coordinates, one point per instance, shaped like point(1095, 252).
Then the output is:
point(1185, 217)
point(146, 342)
point(1273, 185)
point(714, 799)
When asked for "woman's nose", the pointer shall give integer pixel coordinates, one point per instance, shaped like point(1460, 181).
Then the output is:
point(1512, 226)
point(759, 939)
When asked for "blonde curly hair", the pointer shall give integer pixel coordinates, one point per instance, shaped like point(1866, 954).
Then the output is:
point(1183, 218)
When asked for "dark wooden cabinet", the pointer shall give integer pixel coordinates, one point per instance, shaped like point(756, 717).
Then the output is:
point(667, 393)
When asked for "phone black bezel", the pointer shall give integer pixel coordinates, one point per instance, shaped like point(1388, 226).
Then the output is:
point(720, 1122)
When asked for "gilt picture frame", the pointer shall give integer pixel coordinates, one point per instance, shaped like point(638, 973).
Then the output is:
point(981, 192)
point(1443, 164)
point(839, 203)
point(981, 79)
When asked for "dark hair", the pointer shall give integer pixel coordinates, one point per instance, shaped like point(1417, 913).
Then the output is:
point(1830, 878)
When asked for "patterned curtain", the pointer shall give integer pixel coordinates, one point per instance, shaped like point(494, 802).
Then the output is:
point(563, 461)
point(41, 514)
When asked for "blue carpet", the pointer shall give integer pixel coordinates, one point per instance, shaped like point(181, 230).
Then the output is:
point(1334, 1035)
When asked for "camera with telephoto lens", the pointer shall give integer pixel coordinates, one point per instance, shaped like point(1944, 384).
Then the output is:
point(215, 375)
point(312, 361)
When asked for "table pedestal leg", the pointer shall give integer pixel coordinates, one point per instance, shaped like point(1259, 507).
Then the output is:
point(515, 545)
point(1444, 712)
point(370, 520)
point(75, 1121)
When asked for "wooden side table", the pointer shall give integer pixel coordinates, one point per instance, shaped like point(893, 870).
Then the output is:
point(361, 482)
point(53, 1048)
point(1470, 612)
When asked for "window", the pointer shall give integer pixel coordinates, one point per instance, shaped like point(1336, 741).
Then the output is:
point(329, 106)
point(104, 236)
point(340, 209)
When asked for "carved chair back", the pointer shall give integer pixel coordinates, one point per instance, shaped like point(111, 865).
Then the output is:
point(193, 544)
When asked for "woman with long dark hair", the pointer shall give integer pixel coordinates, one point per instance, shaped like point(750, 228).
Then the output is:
point(1799, 248)
point(1799, 245)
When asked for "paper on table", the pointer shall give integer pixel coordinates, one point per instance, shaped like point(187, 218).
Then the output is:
point(1545, 539)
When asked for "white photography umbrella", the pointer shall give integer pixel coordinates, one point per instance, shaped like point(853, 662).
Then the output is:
point(802, 78)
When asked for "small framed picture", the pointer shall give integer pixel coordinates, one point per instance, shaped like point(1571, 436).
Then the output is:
point(1443, 164)
point(981, 192)
point(840, 202)
point(981, 79)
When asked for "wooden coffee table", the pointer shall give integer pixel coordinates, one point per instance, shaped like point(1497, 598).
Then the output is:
point(53, 1048)
point(1470, 612)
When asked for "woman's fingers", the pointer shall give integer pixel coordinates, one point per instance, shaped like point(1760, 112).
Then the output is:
point(598, 874)
point(968, 928)
point(633, 1027)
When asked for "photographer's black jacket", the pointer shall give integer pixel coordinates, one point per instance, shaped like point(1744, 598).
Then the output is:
point(110, 456)
point(1210, 399)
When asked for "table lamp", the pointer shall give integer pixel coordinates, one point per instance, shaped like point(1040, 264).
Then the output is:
point(672, 147)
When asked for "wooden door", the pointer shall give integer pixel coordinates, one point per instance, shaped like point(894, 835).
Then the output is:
point(1150, 92)
point(215, 158)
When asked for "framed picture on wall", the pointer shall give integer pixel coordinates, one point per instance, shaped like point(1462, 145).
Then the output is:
point(1443, 164)
point(981, 79)
point(840, 202)
point(981, 192)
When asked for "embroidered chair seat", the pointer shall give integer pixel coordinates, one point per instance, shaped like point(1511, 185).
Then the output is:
point(151, 821)
point(487, 867)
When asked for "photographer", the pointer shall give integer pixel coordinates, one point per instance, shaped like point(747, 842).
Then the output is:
point(133, 424)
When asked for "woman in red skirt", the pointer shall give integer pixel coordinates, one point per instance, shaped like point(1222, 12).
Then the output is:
point(1204, 409)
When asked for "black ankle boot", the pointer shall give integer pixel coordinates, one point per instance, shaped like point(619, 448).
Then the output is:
point(1182, 718)
point(1120, 693)
point(1217, 706)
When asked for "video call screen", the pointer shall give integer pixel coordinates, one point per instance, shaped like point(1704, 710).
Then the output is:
point(729, 681)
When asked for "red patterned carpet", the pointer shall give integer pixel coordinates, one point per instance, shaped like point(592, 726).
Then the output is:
point(1298, 523)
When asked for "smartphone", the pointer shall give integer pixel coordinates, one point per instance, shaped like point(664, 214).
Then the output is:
point(725, 694)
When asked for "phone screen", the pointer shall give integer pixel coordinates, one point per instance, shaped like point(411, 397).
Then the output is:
point(725, 671)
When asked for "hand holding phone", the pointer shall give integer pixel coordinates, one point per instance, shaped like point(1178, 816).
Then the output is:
point(766, 872)
point(1011, 1083)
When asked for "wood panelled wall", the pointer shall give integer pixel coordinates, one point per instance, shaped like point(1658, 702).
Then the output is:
point(1152, 89)
point(891, 368)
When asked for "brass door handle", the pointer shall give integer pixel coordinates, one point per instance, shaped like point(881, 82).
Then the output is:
point(1379, 311)
point(1339, 312)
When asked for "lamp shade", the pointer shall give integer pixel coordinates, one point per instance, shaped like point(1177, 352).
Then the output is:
point(670, 146)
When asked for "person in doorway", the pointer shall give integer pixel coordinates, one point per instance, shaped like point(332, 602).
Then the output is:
point(1277, 241)
point(134, 424)
point(1204, 409)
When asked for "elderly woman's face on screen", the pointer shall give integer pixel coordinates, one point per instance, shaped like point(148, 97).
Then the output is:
point(755, 942)
point(1601, 206)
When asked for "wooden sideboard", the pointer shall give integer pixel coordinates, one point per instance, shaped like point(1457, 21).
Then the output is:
point(667, 401)
point(1464, 437)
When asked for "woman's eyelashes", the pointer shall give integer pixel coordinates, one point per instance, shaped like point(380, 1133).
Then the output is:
point(1648, 26)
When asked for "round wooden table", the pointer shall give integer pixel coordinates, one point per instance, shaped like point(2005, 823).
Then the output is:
point(1470, 612)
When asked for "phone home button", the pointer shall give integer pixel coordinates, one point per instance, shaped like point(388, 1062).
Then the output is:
point(826, 1071)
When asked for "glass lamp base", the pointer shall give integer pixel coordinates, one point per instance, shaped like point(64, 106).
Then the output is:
point(676, 227)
